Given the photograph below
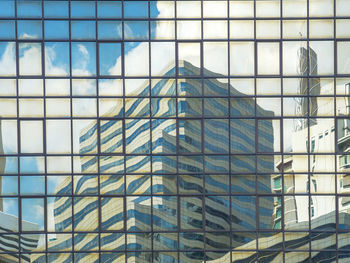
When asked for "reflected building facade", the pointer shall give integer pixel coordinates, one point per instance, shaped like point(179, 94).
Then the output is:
point(309, 88)
point(313, 173)
point(298, 242)
point(343, 143)
point(190, 190)
point(302, 208)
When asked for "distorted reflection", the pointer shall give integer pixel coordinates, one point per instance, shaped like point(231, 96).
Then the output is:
point(162, 131)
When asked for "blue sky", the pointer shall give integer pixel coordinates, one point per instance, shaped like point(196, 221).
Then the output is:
point(57, 60)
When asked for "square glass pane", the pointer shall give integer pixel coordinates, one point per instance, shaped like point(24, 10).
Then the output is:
point(7, 29)
point(56, 9)
point(81, 30)
point(109, 54)
point(82, 9)
point(135, 9)
point(30, 58)
point(29, 29)
point(7, 8)
point(109, 9)
point(83, 58)
point(29, 8)
point(56, 30)
point(57, 59)
point(110, 30)
point(268, 58)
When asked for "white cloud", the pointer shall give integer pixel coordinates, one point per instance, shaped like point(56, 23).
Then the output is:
point(10, 204)
point(215, 9)
point(8, 61)
point(185, 9)
point(50, 68)
point(39, 212)
point(58, 129)
point(30, 87)
point(83, 51)
point(111, 87)
point(84, 87)
point(27, 36)
point(127, 31)
point(31, 136)
point(30, 62)
point(59, 164)
point(215, 54)
point(83, 62)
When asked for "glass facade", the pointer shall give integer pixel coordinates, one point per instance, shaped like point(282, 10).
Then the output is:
point(175, 131)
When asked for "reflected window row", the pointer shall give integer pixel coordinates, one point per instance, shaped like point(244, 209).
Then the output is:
point(173, 213)
point(246, 58)
point(184, 29)
point(91, 107)
point(184, 9)
point(37, 136)
point(267, 88)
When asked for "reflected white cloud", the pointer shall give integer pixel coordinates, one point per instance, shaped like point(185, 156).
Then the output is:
point(30, 59)
point(51, 64)
point(8, 60)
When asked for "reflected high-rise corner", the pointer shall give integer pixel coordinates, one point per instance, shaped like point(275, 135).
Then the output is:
point(202, 201)
point(162, 202)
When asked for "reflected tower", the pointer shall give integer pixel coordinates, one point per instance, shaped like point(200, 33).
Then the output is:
point(311, 135)
point(183, 185)
point(309, 85)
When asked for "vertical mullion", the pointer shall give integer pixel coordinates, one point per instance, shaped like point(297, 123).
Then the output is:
point(229, 125)
point(308, 123)
point(19, 200)
point(125, 201)
point(72, 123)
point(281, 197)
point(150, 125)
point(98, 123)
point(204, 227)
point(44, 125)
point(177, 133)
point(257, 230)
point(336, 175)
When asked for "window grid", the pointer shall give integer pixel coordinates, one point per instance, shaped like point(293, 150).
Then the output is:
point(202, 118)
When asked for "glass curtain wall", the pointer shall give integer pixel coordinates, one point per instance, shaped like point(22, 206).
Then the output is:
point(174, 131)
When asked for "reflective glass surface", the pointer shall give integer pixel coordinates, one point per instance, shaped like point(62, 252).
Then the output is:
point(174, 131)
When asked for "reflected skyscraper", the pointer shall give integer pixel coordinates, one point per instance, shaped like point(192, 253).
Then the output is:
point(309, 86)
point(183, 162)
point(305, 208)
point(300, 173)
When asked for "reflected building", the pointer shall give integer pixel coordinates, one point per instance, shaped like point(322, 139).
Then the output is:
point(303, 170)
point(309, 222)
point(322, 237)
point(343, 143)
point(10, 243)
point(309, 87)
point(167, 187)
